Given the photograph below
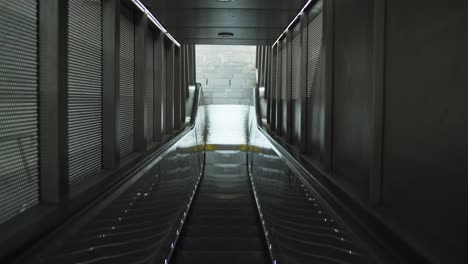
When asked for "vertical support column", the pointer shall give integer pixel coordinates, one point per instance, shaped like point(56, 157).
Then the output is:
point(53, 101)
point(263, 66)
point(375, 181)
point(303, 83)
point(274, 84)
point(328, 93)
point(288, 105)
point(169, 88)
point(257, 58)
point(183, 87)
point(141, 25)
point(159, 86)
point(265, 70)
point(194, 67)
point(177, 90)
point(260, 65)
point(268, 82)
point(279, 87)
point(189, 66)
point(186, 68)
point(111, 57)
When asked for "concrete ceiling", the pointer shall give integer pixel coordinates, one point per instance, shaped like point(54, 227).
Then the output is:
point(253, 22)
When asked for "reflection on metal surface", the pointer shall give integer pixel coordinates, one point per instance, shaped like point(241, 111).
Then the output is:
point(298, 226)
point(142, 223)
point(222, 226)
point(141, 220)
point(136, 226)
point(226, 125)
point(189, 103)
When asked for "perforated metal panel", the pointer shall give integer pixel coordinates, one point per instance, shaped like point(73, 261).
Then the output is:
point(127, 82)
point(84, 89)
point(289, 67)
point(273, 72)
point(284, 68)
point(296, 62)
point(19, 153)
point(314, 43)
point(149, 86)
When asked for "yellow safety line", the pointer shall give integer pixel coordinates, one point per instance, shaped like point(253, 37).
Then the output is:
point(215, 147)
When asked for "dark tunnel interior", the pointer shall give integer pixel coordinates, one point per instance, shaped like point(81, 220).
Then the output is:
point(349, 146)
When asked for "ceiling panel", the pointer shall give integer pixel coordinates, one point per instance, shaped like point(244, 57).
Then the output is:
point(238, 18)
point(200, 21)
point(245, 4)
point(210, 32)
point(210, 41)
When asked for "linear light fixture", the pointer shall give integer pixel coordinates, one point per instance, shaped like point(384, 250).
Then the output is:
point(151, 17)
point(292, 22)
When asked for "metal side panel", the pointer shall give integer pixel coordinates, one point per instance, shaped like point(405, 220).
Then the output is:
point(19, 153)
point(84, 89)
point(149, 86)
point(273, 88)
point(284, 86)
point(296, 62)
point(127, 82)
point(314, 43)
point(315, 88)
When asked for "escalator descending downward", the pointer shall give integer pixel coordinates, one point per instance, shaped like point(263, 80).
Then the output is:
point(223, 225)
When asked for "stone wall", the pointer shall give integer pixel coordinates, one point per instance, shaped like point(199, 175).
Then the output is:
point(227, 73)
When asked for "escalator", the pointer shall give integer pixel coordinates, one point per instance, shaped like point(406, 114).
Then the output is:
point(218, 194)
point(223, 223)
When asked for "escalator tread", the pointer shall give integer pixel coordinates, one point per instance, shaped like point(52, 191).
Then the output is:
point(223, 225)
point(225, 257)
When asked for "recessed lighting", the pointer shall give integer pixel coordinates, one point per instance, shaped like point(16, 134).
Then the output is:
point(224, 0)
point(225, 34)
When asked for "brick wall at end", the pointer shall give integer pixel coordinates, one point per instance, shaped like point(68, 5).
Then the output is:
point(227, 73)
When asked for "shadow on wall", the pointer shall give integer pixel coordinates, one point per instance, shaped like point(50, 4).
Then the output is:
point(227, 73)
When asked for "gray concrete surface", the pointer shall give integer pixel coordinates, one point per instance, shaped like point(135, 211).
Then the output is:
point(227, 73)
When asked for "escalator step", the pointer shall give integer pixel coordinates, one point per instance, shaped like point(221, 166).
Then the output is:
point(227, 211)
point(221, 243)
point(224, 257)
point(223, 220)
point(222, 231)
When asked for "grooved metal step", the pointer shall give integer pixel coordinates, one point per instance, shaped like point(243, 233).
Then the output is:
point(223, 225)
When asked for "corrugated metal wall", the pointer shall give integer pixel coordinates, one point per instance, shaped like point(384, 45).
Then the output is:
point(54, 75)
point(19, 154)
point(315, 91)
point(273, 88)
point(296, 62)
point(293, 67)
point(149, 86)
point(284, 85)
point(296, 82)
point(84, 89)
point(127, 82)
point(314, 42)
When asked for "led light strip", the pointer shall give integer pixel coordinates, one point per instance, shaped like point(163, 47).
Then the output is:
point(151, 17)
point(292, 22)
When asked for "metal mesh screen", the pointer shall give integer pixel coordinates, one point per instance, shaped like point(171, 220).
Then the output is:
point(314, 43)
point(273, 73)
point(127, 82)
point(149, 86)
point(84, 89)
point(19, 154)
point(289, 68)
point(296, 62)
point(284, 68)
